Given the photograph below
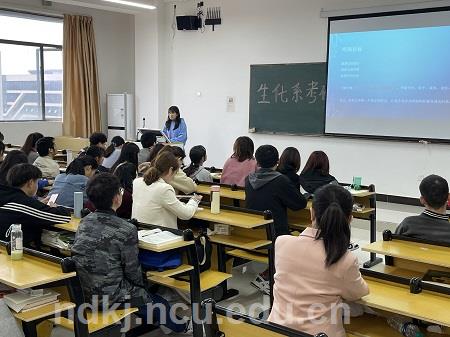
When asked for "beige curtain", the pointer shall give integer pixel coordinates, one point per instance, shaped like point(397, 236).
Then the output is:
point(81, 93)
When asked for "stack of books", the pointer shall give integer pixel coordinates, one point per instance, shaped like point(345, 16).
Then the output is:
point(26, 300)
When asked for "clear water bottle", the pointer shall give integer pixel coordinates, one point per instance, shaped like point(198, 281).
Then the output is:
point(16, 242)
point(215, 199)
point(407, 329)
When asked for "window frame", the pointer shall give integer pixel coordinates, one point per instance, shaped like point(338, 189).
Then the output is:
point(41, 47)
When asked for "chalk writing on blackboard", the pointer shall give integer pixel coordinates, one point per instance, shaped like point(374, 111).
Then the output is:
point(312, 93)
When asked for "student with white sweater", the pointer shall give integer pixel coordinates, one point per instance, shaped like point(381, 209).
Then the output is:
point(154, 199)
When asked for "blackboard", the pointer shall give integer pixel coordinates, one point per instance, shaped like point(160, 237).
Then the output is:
point(288, 98)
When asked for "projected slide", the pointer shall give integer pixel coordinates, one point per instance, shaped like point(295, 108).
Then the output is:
point(389, 82)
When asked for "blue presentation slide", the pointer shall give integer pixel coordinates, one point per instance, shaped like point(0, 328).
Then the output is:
point(392, 82)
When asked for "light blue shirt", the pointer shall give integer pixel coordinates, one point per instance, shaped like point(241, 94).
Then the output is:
point(178, 135)
point(65, 185)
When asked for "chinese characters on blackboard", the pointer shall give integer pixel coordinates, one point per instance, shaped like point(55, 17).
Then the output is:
point(281, 93)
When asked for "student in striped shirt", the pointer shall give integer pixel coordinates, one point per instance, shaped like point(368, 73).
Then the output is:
point(19, 206)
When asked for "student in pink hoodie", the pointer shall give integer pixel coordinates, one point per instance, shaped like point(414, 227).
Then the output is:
point(315, 272)
point(240, 164)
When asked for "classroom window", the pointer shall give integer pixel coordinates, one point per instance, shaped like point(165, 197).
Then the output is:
point(31, 67)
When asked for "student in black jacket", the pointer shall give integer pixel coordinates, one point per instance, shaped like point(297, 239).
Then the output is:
point(18, 205)
point(433, 223)
point(290, 164)
point(267, 189)
point(316, 172)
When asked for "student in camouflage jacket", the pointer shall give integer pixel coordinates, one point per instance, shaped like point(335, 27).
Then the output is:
point(105, 252)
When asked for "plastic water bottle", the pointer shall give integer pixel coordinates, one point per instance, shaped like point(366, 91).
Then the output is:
point(16, 242)
point(407, 329)
point(215, 199)
point(77, 204)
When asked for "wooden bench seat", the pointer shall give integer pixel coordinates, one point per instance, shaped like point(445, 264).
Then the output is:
point(97, 322)
point(239, 241)
point(171, 272)
point(208, 279)
point(44, 311)
point(374, 326)
point(243, 254)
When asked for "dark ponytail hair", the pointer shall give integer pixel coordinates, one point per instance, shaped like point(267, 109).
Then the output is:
point(333, 207)
point(161, 166)
point(196, 155)
point(177, 120)
point(115, 142)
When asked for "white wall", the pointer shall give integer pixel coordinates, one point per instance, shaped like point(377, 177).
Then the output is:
point(266, 31)
point(114, 35)
point(146, 67)
point(16, 132)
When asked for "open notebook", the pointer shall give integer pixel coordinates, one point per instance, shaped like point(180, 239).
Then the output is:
point(156, 238)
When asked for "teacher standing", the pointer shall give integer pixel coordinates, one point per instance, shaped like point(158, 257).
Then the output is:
point(175, 128)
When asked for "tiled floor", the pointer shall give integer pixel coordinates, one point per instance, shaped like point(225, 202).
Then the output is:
point(251, 301)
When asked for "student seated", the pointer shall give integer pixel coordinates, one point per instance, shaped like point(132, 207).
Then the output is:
point(112, 152)
point(98, 139)
point(315, 272)
point(19, 206)
point(196, 171)
point(29, 147)
point(129, 154)
point(13, 158)
point(154, 200)
point(433, 223)
point(316, 172)
point(73, 180)
point(180, 182)
point(240, 164)
point(148, 139)
point(126, 172)
point(98, 153)
point(47, 150)
point(2, 151)
point(290, 164)
point(105, 252)
point(267, 189)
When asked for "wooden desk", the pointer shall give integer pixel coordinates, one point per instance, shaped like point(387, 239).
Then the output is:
point(29, 272)
point(412, 251)
point(71, 226)
point(427, 306)
point(232, 218)
point(225, 192)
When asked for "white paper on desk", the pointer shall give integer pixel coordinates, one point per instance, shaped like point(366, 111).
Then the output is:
point(157, 237)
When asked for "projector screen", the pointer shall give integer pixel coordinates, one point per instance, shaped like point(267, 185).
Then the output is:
point(389, 76)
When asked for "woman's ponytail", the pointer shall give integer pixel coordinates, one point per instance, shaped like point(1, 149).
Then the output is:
point(151, 175)
point(333, 208)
